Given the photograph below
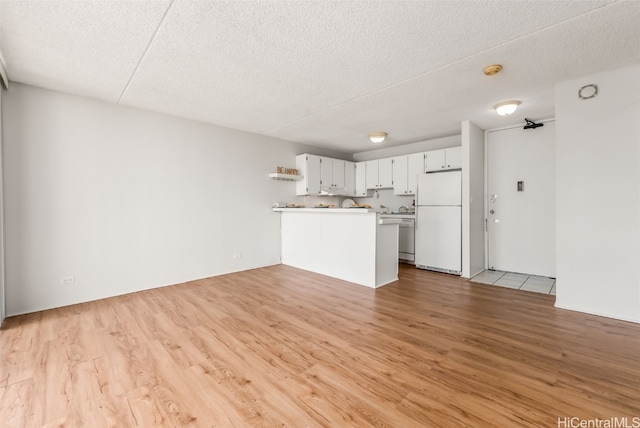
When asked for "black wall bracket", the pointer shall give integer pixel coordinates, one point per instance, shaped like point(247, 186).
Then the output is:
point(531, 124)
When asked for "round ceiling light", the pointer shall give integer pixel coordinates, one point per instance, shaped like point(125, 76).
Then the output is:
point(377, 137)
point(492, 69)
point(506, 108)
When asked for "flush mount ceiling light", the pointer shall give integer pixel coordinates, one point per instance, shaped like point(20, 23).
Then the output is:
point(506, 108)
point(492, 69)
point(377, 137)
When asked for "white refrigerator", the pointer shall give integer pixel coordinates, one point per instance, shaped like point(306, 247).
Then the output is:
point(439, 222)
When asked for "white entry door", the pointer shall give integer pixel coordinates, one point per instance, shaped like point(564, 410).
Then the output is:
point(521, 200)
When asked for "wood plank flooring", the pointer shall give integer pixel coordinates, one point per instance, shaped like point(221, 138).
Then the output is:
point(278, 346)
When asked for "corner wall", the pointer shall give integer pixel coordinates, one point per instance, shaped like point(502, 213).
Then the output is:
point(473, 197)
point(598, 195)
point(123, 199)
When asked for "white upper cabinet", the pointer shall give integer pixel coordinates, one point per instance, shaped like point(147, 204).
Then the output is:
point(385, 172)
point(338, 172)
point(332, 172)
point(453, 157)
point(405, 173)
point(350, 178)
point(371, 174)
point(361, 179)
point(400, 175)
point(355, 178)
point(434, 160)
point(439, 160)
point(309, 167)
point(379, 173)
point(326, 172)
point(415, 166)
point(319, 173)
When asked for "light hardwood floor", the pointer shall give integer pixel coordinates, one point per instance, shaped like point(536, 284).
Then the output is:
point(282, 347)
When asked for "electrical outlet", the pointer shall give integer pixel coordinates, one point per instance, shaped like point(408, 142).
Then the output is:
point(67, 280)
point(237, 256)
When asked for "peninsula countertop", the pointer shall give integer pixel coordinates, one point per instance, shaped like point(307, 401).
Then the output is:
point(329, 210)
point(383, 219)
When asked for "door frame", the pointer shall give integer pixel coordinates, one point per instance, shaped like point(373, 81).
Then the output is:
point(486, 182)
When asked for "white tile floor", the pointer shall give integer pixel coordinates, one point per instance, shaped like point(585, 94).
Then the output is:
point(533, 283)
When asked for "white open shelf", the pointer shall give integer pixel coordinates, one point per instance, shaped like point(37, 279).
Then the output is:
point(286, 177)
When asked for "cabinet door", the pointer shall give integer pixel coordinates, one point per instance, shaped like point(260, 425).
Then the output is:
point(400, 175)
point(313, 175)
point(361, 179)
point(350, 178)
point(415, 166)
point(434, 160)
point(326, 172)
point(309, 167)
point(372, 174)
point(301, 165)
point(385, 173)
point(338, 173)
point(453, 158)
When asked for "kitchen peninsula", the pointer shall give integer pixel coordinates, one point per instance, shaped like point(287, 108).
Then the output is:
point(352, 244)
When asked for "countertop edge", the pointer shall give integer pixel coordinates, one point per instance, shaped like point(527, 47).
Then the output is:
point(328, 210)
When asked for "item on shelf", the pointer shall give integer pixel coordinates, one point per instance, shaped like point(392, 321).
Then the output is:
point(288, 171)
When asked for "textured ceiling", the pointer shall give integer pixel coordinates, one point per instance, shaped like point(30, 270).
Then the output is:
point(319, 72)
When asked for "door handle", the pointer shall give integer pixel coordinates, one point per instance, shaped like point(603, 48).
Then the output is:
point(492, 212)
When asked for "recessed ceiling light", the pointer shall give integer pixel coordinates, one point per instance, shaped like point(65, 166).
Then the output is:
point(506, 108)
point(377, 137)
point(492, 69)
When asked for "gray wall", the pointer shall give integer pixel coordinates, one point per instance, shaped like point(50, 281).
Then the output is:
point(125, 200)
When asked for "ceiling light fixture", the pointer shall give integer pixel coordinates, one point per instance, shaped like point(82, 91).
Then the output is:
point(492, 69)
point(377, 137)
point(506, 108)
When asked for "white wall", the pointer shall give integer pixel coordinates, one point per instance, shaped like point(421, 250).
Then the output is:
point(598, 195)
point(473, 197)
point(406, 149)
point(2, 293)
point(126, 200)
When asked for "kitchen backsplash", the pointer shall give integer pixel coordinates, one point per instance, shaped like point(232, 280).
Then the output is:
point(310, 201)
point(387, 198)
point(383, 197)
